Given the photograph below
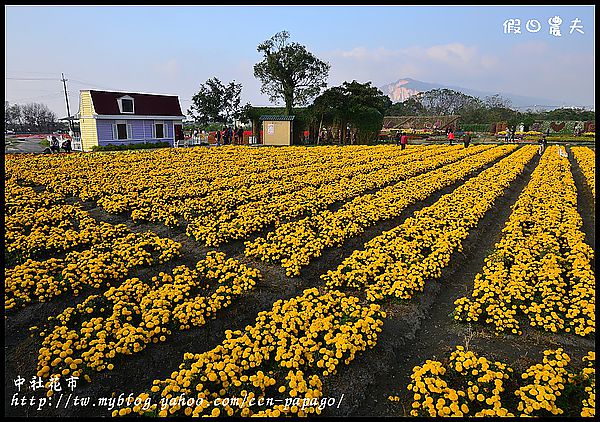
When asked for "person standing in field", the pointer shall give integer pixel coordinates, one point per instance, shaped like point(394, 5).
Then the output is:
point(398, 137)
point(467, 140)
point(240, 135)
point(451, 137)
point(507, 135)
point(403, 141)
point(218, 137)
point(541, 145)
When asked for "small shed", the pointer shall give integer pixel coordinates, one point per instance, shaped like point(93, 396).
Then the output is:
point(277, 130)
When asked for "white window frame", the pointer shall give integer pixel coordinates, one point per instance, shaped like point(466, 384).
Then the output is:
point(116, 132)
point(159, 122)
point(120, 102)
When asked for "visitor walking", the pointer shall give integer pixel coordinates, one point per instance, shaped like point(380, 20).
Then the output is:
point(451, 137)
point(545, 143)
point(240, 135)
point(512, 135)
point(403, 141)
point(218, 137)
point(541, 146)
point(507, 135)
point(398, 137)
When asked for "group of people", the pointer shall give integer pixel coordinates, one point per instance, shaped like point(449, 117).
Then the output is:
point(55, 145)
point(509, 136)
point(229, 135)
point(402, 139)
point(327, 136)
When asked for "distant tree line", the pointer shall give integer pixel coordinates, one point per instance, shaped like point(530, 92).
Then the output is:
point(472, 110)
point(31, 118)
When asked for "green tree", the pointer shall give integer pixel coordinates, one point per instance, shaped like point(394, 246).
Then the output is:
point(330, 107)
point(289, 71)
point(355, 105)
point(218, 103)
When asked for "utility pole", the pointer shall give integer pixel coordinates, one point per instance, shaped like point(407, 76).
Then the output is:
point(67, 100)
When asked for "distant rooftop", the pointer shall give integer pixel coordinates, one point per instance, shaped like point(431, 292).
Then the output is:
point(276, 117)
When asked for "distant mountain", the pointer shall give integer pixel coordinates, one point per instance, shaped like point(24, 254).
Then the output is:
point(405, 88)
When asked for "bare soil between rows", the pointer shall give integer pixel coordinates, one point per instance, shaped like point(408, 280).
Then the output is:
point(412, 333)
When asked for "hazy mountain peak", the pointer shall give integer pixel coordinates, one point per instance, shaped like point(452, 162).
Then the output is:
point(404, 88)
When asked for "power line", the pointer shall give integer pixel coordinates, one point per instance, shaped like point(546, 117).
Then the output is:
point(33, 79)
point(29, 71)
point(55, 94)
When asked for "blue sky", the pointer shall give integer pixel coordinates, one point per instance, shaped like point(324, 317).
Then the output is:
point(173, 49)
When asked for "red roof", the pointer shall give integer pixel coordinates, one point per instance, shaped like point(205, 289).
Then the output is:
point(105, 102)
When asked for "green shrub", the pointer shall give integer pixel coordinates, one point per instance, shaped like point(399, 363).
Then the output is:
point(123, 147)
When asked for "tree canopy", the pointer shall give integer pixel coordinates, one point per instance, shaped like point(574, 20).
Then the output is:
point(354, 105)
point(218, 103)
point(289, 72)
point(32, 117)
point(491, 109)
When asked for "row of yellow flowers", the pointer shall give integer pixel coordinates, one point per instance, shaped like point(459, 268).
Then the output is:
point(586, 158)
point(471, 385)
point(104, 263)
point(125, 319)
point(284, 355)
point(36, 233)
point(19, 197)
point(240, 223)
point(296, 243)
point(398, 262)
point(218, 196)
point(541, 267)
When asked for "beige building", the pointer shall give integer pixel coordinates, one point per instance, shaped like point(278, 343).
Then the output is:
point(277, 130)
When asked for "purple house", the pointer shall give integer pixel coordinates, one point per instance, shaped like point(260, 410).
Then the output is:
point(109, 117)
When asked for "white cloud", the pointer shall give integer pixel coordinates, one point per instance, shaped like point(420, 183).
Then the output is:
point(530, 69)
point(382, 65)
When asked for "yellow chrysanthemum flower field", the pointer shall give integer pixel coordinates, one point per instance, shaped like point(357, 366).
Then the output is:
point(435, 280)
